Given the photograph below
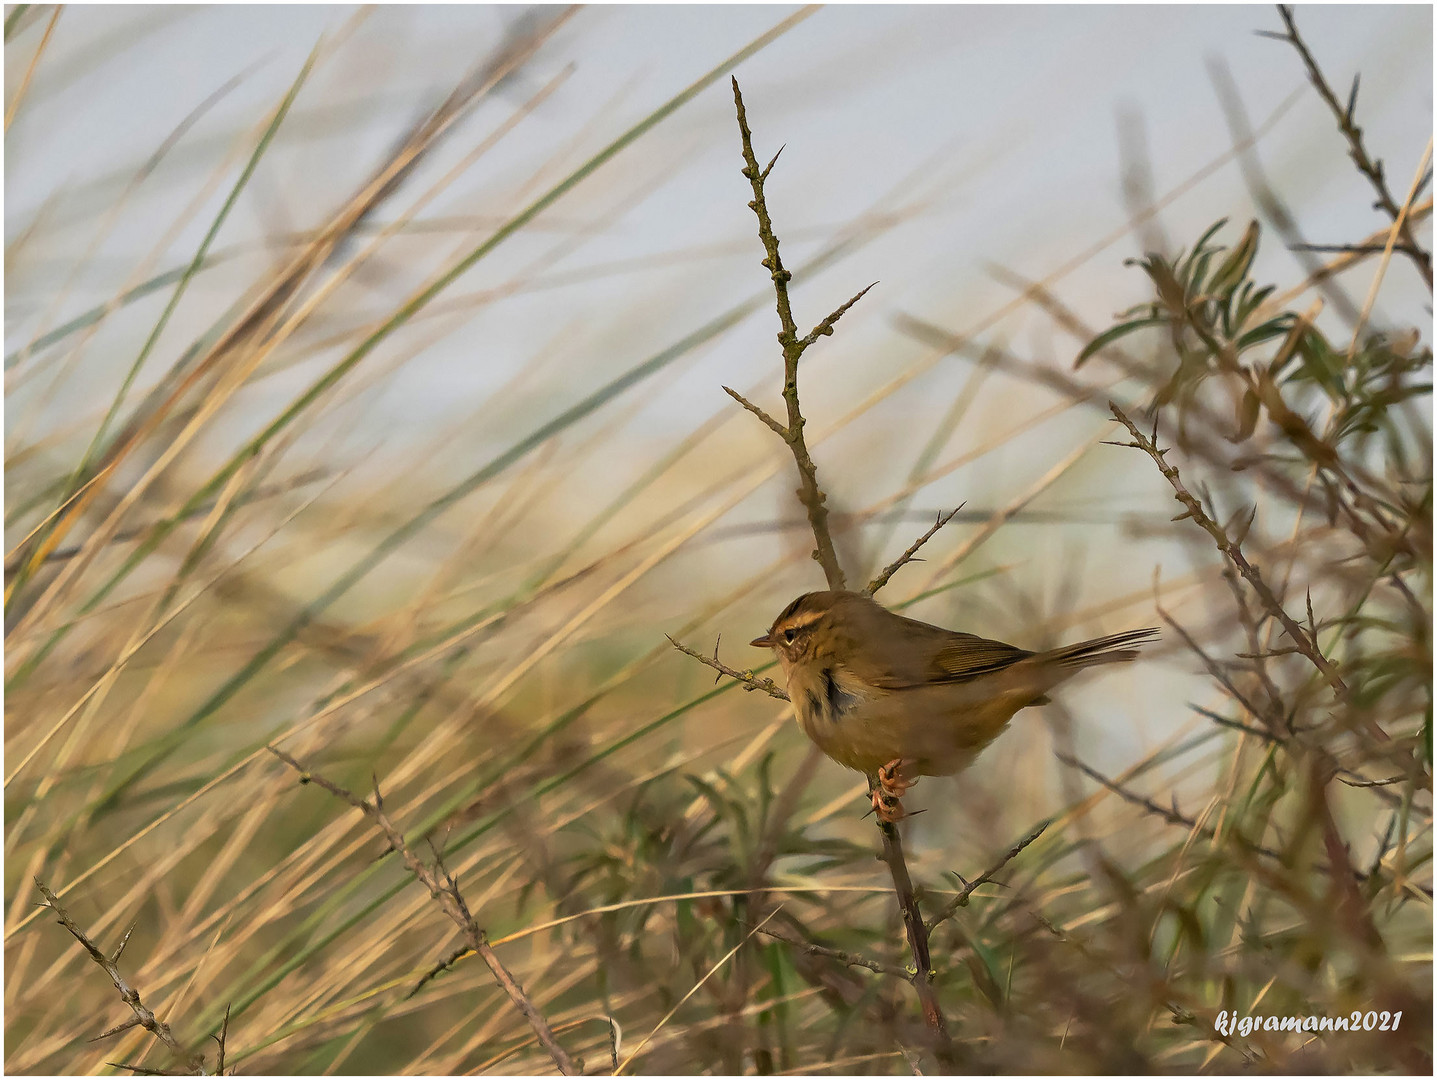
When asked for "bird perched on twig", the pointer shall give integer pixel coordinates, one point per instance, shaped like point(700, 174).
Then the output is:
point(897, 699)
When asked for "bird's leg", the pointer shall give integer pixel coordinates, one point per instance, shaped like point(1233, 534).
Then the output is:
point(889, 786)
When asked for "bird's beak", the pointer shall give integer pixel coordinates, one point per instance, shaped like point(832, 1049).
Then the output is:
point(764, 642)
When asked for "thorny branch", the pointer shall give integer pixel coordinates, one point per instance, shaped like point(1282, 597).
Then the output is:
point(812, 498)
point(961, 900)
point(848, 959)
point(907, 557)
point(1193, 509)
point(193, 1063)
point(809, 493)
point(1347, 124)
point(446, 893)
point(749, 680)
point(1303, 639)
point(1173, 816)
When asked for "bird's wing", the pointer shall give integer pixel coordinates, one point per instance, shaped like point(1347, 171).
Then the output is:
point(929, 654)
point(966, 656)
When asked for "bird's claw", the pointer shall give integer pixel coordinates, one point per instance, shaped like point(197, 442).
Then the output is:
point(889, 787)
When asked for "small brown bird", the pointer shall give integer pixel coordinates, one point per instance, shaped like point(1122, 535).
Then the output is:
point(897, 699)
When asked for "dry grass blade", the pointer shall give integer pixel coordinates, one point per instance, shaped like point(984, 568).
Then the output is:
point(692, 991)
point(34, 63)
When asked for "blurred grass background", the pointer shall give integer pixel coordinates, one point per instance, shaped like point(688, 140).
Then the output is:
point(363, 392)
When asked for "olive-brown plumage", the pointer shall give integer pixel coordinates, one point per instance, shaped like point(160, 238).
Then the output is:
point(896, 698)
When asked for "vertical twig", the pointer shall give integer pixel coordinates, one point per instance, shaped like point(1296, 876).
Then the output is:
point(809, 493)
point(812, 497)
point(917, 931)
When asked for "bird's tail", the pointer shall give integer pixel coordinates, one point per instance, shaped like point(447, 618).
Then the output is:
point(1112, 649)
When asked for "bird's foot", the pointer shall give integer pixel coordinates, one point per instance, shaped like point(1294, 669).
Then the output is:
point(889, 787)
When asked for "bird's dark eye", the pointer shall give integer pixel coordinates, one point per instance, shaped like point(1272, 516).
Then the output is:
point(788, 636)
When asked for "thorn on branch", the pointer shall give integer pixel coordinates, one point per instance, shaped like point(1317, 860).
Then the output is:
point(769, 167)
point(124, 1025)
point(748, 680)
point(751, 407)
point(120, 948)
point(825, 328)
point(908, 556)
point(961, 900)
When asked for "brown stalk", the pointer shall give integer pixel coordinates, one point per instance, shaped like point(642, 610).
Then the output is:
point(961, 900)
point(1233, 551)
point(812, 497)
point(444, 888)
point(193, 1063)
point(809, 493)
point(1347, 124)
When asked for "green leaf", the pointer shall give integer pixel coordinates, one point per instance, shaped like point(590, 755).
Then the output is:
point(1230, 274)
point(1199, 247)
point(1275, 328)
point(1107, 337)
point(13, 18)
